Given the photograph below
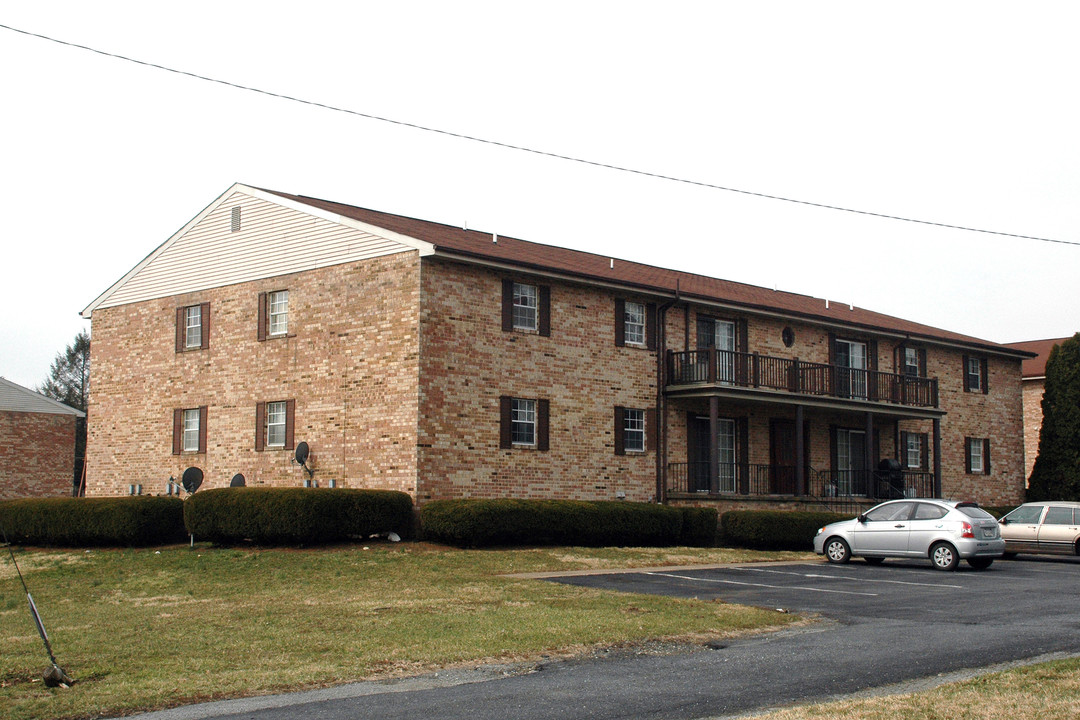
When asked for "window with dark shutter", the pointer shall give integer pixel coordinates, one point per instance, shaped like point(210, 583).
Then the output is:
point(620, 322)
point(543, 412)
point(203, 416)
point(545, 311)
point(260, 333)
point(260, 426)
point(177, 431)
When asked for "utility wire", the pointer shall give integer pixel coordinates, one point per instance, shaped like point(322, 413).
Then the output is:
point(543, 153)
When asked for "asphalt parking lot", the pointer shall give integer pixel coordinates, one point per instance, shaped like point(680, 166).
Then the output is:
point(1032, 587)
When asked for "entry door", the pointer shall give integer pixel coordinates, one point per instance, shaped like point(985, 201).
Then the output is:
point(851, 462)
point(719, 334)
point(782, 478)
point(698, 454)
point(851, 368)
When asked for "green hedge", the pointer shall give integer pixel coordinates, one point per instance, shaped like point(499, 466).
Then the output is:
point(485, 523)
point(81, 522)
point(699, 526)
point(295, 516)
point(774, 529)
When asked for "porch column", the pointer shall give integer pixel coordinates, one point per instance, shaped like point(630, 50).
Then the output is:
point(714, 445)
point(937, 457)
point(800, 469)
point(868, 442)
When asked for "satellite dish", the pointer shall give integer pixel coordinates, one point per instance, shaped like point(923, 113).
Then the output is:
point(192, 479)
point(302, 452)
point(237, 481)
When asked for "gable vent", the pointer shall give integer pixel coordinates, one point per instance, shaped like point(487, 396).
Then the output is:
point(236, 218)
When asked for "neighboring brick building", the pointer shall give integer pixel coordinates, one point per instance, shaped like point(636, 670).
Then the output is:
point(453, 363)
point(1034, 384)
point(37, 444)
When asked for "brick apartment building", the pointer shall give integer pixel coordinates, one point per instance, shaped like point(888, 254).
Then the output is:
point(37, 444)
point(448, 363)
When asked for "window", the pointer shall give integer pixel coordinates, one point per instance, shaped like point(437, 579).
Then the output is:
point(189, 430)
point(719, 334)
point(634, 430)
point(975, 374)
point(851, 359)
point(915, 450)
point(273, 315)
point(279, 312)
point(926, 511)
point(977, 455)
point(1058, 516)
point(523, 423)
point(274, 425)
point(635, 324)
point(526, 307)
point(912, 364)
point(193, 327)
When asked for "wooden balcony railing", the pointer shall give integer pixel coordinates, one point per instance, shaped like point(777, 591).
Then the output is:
point(751, 370)
point(761, 480)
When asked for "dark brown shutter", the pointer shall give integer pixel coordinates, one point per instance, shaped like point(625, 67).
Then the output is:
point(871, 375)
point(742, 432)
point(260, 333)
point(967, 385)
point(650, 430)
point(290, 424)
point(204, 313)
point(542, 414)
point(650, 326)
point(620, 426)
point(967, 454)
point(924, 448)
point(871, 355)
point(203, 416)
point(832, 348)
point(544, 292)
point(180, 329)
point(620, 322)
point(742, 332)
point(986, 456)
point(177, 431)
point(902, 449)
point(507, 305)
point(505, 405)
point(260, 426)
point(921, 352)
point(984, 368)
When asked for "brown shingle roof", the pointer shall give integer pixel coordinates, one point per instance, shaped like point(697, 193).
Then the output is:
point(1035, 366)
point(588, 266)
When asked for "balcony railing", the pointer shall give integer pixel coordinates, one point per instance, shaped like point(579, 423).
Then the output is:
point(763, 480)
point(751, 370)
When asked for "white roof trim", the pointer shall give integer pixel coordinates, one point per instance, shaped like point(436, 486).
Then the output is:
point(424, 248)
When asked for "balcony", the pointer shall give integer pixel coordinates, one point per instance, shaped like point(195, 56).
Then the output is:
point(747, 479)
point(727, 368)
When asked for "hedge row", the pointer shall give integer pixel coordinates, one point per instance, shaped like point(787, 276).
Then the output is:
point(291, 516)
point(486, 523)
point(82, 522)
point(774, 529)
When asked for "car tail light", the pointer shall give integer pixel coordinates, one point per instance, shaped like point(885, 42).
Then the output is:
point(966, 530)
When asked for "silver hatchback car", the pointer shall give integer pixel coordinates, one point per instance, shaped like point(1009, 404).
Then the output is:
point(945, 531)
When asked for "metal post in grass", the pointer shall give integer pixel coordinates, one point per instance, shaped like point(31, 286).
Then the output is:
point(54, 676)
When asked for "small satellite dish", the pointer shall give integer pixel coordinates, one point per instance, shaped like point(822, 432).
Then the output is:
point(192, 479)
point(237, 481)
point(302, 452)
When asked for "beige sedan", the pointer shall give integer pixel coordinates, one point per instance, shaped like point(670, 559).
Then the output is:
point(1042, 527)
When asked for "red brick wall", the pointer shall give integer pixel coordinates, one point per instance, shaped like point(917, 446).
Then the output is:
point(37, 454)
point(350, 363)
point(1033, 417)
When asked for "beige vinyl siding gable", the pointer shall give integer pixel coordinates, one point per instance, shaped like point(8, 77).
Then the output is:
point(273, 240)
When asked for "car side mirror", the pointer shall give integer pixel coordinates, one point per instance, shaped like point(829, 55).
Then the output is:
point(1003, 521)
point(861, 518)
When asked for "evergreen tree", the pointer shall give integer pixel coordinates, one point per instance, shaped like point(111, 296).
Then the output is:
point(69, 382)
point(1056, 475)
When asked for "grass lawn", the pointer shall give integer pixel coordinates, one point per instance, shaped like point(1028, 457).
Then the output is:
point(145, 629)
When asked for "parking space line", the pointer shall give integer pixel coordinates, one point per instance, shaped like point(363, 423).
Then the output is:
point(763, 585)
point(856, 579)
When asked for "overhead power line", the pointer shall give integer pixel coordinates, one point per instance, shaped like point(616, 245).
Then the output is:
point(534, 151)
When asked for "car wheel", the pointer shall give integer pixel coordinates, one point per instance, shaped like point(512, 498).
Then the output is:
point(874, 560)
point(837, 551)
point(980, 563)
point(944, 556)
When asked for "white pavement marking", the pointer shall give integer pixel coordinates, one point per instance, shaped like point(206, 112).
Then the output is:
point(764, 585)
point(855, 579)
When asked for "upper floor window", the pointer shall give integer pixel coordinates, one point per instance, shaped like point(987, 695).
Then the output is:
point(914, 447)
point(633, 430)
point(526, 307)
point(189, 430)
point(193, 327)
point(274, 422)
point(977, 455)
point(913, 364)
point(279, 312)
point(634, 323)
point(523, 423)
point(975, 374)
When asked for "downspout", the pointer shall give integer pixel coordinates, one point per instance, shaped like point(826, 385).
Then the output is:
point(661, 403)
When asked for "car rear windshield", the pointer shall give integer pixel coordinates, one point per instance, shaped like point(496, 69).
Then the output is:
point(974, 512)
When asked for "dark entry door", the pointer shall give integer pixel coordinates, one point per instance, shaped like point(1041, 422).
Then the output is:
point(782, 457)
point(698, 453)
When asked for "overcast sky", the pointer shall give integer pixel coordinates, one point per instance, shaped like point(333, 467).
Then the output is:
point(962, 113)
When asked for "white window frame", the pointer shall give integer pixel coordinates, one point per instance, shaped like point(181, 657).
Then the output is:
point(857, 362)
point(913, 451)
point(633, 431)
point(911, 362)
point(975, 453)
point(634, 323)
point(526, 306)
point(974, 374)
point(190, 441)
point(278, 312)
point(276, 418)
point(523, 421)
point(193, 325)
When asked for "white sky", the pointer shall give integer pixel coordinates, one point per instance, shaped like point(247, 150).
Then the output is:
point(963, 113)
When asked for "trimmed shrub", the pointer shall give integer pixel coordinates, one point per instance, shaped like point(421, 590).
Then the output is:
point(774, 529)
point(295, 516)
point(82, 522)
point(699, 526)
point(485, 523)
